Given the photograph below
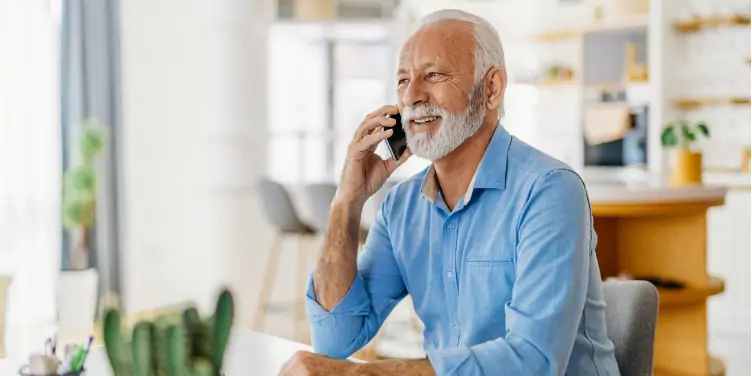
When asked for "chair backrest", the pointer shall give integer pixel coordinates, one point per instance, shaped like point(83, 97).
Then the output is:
point(631, 317)
point(320, 196)
point(279, 207)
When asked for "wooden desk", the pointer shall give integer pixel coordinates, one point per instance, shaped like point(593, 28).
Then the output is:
point(249, 353)
point(660, 231)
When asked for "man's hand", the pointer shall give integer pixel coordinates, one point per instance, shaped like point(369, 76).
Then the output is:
point(305, 363)
point(365, 171)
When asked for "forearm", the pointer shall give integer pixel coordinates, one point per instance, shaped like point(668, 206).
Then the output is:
point(337, 265)
point(420, 367)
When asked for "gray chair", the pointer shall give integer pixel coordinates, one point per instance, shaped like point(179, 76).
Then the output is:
point(281, 214)
point(320, 196)
point(631, 317)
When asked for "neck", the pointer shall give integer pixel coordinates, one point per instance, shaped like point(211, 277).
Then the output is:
point(462, 163)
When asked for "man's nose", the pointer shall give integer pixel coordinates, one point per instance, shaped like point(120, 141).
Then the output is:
point(414, 94)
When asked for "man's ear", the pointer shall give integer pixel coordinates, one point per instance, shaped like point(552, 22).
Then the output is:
point(496, 85)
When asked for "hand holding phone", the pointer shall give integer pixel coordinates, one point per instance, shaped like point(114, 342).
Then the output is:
point(365, 171)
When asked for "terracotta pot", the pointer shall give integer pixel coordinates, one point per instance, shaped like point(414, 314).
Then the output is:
point(687, 167)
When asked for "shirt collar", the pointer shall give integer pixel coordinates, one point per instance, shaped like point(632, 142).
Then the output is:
point(491, 172)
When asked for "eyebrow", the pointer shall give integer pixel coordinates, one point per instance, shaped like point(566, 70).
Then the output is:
point(430, 64)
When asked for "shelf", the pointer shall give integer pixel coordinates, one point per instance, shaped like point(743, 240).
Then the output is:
point(549, 82)
point(716, 367)
point(600, 26)
point(711, 22)
point(707, 102)
point(670, 298)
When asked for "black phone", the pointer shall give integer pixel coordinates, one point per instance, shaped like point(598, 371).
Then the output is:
point(397, 142)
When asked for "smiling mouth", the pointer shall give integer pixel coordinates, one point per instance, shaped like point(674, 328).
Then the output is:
point(426, 120)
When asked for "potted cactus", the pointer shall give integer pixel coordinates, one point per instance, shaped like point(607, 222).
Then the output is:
point(681, 135)
point(177, 343)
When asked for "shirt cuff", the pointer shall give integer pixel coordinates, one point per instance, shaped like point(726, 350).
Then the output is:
point(354, 303)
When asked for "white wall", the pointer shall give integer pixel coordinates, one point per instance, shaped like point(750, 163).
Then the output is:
point(194, 83)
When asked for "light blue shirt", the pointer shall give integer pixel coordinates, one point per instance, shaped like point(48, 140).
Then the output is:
point(506, 284)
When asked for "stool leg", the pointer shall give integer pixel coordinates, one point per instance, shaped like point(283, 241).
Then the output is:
point(300, 285)
point(268, 282)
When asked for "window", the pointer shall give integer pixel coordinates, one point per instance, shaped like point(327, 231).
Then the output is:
point(29, 167)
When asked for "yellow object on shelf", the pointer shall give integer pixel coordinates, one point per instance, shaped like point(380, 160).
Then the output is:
point(687, 168)
point(746, 156)
point(709, 22)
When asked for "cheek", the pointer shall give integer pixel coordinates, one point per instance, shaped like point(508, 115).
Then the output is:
point(450, 97)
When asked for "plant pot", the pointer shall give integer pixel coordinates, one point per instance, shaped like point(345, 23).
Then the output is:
point(76, 305)
point(687, 169)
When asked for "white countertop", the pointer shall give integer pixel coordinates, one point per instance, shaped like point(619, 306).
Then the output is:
point(632, 186)
point(621, 192)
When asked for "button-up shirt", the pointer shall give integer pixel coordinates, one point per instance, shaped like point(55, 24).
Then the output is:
point(506, 283)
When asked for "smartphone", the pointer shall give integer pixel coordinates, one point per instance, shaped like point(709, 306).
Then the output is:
point(397, 142)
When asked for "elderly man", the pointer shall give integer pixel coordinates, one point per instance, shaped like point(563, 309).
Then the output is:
point(494, 241)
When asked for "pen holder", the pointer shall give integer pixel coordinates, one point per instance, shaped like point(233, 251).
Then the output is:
point(24, 371)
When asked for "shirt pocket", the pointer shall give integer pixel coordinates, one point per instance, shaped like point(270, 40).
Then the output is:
point(486, 288)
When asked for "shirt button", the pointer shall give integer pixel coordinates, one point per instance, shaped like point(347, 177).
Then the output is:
point(450, 274)
point(455, 327)
point(451, 225)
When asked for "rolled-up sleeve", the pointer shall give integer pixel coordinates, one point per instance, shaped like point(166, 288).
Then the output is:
point(376, 290)
point(553, 254)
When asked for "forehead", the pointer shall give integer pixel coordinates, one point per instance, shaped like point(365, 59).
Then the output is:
point(449, 42)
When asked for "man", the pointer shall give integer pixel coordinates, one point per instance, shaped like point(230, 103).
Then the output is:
point(494, 241)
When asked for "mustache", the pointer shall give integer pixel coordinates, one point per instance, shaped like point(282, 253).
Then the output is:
point(411, 112)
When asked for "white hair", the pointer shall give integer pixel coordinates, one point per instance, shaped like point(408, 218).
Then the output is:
point(489, 51)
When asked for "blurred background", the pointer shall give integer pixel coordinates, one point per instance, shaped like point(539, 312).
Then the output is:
point(148, 149)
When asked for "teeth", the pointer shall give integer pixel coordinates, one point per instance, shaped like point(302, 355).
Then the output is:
point(425, 120)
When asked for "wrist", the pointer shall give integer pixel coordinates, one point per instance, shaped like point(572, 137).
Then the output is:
point(352, 207)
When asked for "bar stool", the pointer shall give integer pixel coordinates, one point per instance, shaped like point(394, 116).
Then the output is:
point(320, 196)
point(281, 214)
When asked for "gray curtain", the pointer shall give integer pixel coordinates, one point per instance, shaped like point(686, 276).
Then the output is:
point(90, 88)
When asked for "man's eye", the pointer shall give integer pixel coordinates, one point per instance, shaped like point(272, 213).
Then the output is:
point(402, 81)
point(434, 74)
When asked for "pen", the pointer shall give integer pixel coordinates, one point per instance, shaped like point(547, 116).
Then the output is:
point(86, 352)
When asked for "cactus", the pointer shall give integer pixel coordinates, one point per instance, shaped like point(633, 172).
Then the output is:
point(177, 343)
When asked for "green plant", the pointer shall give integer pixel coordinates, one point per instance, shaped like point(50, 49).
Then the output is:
point(683, 134)
point(79, 190)
point(178, 343)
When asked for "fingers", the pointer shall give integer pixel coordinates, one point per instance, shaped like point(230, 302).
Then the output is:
point(371, 125)
point(384, 111)
point(370, 141)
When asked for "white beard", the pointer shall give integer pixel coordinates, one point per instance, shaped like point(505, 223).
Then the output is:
point(454, 129)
